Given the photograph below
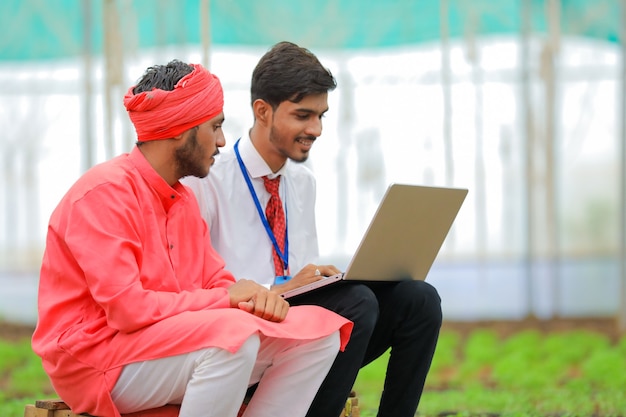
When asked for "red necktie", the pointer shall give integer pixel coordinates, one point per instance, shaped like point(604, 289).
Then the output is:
point(276, 219)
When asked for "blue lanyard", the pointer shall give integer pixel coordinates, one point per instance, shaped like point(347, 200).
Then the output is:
point(283, 256)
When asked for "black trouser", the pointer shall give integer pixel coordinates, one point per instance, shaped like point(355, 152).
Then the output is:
point(405, 316)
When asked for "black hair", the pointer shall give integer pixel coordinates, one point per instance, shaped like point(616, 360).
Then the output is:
point(289, 72)
point(163, 77)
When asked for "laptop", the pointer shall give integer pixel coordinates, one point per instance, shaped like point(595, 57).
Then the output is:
point(402, 239)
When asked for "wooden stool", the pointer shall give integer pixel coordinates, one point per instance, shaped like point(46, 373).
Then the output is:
point(351, 409)
point(57, 408)
point(48, 408)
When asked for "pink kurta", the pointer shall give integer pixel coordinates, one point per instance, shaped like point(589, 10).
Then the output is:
point(128, 275)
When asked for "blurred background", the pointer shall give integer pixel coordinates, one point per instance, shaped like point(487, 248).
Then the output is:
point(520, 101)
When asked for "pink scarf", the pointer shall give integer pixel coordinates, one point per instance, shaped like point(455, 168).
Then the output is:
point(160, 114)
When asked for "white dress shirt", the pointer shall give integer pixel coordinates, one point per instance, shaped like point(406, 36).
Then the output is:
point(237, 232)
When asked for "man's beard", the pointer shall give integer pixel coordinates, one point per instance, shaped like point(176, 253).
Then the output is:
point(277, 140)
point(189, 158)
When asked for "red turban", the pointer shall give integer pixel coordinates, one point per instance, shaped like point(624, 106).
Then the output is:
point(161, 114)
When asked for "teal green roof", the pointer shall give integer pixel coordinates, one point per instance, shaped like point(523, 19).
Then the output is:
point(50, 29)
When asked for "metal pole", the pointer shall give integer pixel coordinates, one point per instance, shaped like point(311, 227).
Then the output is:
point(551, 145)
point(87, 159)
point(622, 244)
point(111, 27)
point(528, 138)
point(479, 153)
point(344, 130)
point(446, 80)
point(205, 31)
point(446, 87)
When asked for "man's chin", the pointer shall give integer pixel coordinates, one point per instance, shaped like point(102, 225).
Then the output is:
point(199, 173)
point(300, 157)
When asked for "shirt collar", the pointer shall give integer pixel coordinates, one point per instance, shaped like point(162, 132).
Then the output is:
point(254, 162)
point(167, 194)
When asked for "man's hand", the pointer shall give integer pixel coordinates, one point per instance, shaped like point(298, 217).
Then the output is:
point(249, 296)
point(307, 275)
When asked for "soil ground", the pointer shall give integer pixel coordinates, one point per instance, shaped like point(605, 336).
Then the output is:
point(607, 326)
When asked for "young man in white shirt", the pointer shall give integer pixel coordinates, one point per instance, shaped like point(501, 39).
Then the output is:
point(289, 96)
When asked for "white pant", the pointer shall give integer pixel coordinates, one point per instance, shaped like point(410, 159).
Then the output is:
point(213, 382)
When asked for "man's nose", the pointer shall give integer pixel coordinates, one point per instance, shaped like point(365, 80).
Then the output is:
point(314, 127)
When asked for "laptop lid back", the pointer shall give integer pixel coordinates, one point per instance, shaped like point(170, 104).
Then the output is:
point(406, 233)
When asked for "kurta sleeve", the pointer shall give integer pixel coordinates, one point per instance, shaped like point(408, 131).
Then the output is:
point(141, 265)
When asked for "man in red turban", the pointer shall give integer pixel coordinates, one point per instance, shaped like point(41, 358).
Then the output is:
point(136, 311)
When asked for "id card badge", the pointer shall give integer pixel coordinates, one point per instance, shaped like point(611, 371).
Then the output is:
point(281, 279)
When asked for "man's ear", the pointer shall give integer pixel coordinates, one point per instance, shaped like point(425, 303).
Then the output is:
point(262, 111)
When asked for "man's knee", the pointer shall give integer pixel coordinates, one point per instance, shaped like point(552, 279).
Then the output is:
point(247, 353)
point(360, 305)
point(422, 297)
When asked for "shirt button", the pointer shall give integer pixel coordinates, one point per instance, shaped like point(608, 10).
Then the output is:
point(171, 246)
